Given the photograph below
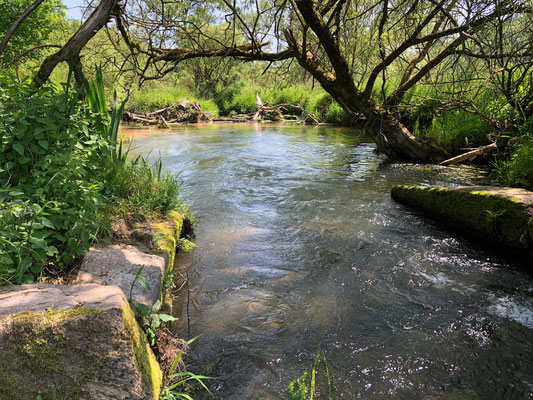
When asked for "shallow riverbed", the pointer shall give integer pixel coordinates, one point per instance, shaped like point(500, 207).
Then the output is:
point(300, 245)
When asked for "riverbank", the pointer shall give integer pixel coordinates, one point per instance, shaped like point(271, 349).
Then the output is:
point(69, 190)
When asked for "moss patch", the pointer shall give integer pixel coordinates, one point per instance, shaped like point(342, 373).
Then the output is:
point(81, 353)
point(166, 239)
point(39, 353)
point(143, 356)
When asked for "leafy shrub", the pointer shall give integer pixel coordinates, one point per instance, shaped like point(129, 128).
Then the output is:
point(63, 177)
point(50, 158)
point(321, 104)
point(519, 170)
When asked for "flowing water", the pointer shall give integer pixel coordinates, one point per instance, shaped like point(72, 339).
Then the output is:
point(300, 245)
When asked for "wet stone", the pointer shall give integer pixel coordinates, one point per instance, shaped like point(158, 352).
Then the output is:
point(494, 214)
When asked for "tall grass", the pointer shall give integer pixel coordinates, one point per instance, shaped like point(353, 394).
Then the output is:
point(457, 129)
point(159, 95)
point(176, 382)
point(518, 170)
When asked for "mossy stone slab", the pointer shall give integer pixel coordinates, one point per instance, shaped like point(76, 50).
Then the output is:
point(493, 214)
point(81, 342)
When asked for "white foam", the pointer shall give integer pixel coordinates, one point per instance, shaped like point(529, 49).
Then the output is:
point(507, 308)
point(440, 281)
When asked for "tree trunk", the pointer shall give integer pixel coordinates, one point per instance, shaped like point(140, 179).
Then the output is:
point(395, 140)
point(389, 134)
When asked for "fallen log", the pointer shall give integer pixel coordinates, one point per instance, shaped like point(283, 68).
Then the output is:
point(265, 110)
point(484, 151)
point(471, 155)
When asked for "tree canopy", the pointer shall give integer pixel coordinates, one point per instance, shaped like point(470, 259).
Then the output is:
point(371, 56)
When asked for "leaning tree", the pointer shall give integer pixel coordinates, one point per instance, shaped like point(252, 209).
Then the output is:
point(367, 54)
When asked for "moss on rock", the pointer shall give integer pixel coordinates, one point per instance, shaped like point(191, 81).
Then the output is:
point(93, 352)
point(167, 235)
point(40, 354)
point(143, 356)
point(166, 239)
point(492, 214)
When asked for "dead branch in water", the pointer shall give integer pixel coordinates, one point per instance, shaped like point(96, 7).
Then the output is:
point(181, 111)
point(483, 151)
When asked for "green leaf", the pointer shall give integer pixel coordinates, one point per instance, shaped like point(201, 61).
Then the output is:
point(36, 269)
point(143, 282)
point(44, 144)
point(19, 148)
point(40, 243)
point(51, 250)
point(143, 310)
point(46, 222)
point(167, 317)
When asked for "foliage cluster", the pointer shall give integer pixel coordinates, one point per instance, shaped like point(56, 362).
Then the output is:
point(518, 170)
point(161, 94)
point(62, 177)
point(37, 29)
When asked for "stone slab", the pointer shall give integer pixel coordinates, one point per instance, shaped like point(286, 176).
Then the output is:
point(41, 297)
point(116, 265)
point(81, 342)
point(493, 214)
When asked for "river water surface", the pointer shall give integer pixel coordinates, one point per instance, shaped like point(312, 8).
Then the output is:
point(300, 245)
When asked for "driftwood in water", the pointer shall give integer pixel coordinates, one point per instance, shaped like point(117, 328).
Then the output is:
point(188, 111)
point(483, 151)
point(181, 111)
point(471, 155)
point(276, 111)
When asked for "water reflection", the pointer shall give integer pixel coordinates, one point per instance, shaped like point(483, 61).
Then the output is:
point(299, 244)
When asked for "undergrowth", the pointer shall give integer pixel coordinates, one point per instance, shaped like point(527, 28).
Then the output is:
point(62, 176)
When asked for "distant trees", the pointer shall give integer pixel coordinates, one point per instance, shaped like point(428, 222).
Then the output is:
point(368, 54)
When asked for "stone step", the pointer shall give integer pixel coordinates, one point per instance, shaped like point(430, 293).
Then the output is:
point(81, 342)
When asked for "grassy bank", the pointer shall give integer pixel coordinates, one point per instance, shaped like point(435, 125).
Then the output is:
point(64, 179)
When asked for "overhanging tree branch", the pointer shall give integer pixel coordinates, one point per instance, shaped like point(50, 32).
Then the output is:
point(16, 24)
point(96, 21)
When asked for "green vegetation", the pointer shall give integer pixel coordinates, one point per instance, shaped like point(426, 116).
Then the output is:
point(64, 178)
point(306, 387)
point(38, 29)
point(175, 384)
point(457, 129)
point(519, 169)
point(162, 94)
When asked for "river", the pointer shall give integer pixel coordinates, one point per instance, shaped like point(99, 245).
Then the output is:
point(299, 245)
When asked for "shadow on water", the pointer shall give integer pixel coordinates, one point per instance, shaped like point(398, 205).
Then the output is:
point(299, 245)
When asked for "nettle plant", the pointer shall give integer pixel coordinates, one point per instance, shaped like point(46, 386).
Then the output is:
point(52, 156)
